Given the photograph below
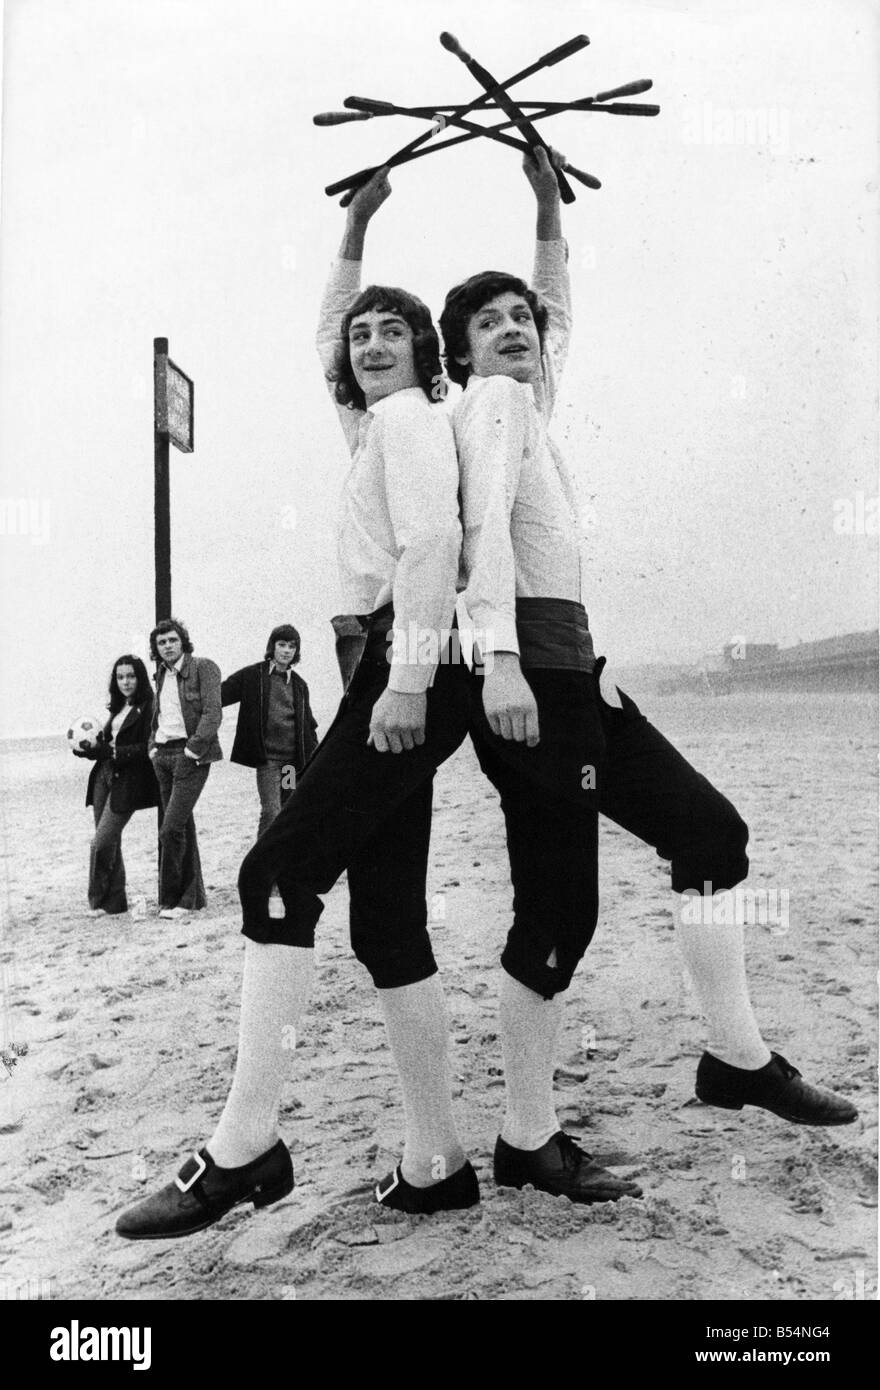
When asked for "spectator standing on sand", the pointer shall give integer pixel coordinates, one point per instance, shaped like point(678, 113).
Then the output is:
point(183, 744)
point(276, 728)
point(121, 782)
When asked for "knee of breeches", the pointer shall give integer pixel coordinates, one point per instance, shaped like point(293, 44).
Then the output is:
point(281, 931)
point(718, 860)
point(393, 956)
point(545, 960)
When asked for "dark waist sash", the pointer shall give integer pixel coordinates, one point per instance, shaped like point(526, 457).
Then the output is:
point(554, 633)
point(361, 637)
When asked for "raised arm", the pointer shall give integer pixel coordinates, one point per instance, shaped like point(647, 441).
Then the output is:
point(344, 284)
point(550, 278)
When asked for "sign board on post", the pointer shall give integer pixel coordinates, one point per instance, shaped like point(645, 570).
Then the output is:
point(175, 394)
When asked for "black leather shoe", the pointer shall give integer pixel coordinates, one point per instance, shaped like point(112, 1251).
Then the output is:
point(454, 1193)
point(560, 1166)
point(202, 1193)
point(777, 1087)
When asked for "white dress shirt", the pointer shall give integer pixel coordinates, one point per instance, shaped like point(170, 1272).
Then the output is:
point(521, 534)
point(117, 722)
point(399, 533)
point(170, 723)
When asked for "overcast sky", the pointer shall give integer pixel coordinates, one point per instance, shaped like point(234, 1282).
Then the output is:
point(162, 176)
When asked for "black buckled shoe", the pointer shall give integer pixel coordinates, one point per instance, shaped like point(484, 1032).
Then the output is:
point(454, 1193)
point(561, 1167)
point(777, 1087)
point(202, 1193)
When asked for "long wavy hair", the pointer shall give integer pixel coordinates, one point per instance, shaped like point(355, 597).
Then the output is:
point(388, 299)
point(467, 299)
point(142, 693)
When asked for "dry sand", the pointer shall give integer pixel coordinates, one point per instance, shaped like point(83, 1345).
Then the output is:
point(131, 1027)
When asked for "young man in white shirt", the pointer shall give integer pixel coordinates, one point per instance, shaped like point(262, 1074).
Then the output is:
point(363, 802)
point(557, 751)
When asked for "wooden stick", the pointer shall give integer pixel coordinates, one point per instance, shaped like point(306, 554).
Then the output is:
point(384, 108)
point(547, 60)
point(504, 100)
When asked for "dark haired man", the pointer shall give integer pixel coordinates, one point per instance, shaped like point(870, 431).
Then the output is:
point(557, 751)
point(275, 732)
point(183, 743)
point(363, 802)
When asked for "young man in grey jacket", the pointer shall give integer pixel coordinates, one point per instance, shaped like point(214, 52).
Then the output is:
point(183, 743)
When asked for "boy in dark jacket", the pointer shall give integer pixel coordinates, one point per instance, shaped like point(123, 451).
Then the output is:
point(276, 728)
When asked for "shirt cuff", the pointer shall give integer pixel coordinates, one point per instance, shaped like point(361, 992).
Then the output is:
point(496, 634)
point(410, 678)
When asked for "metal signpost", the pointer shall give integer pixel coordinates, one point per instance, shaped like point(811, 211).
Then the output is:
point(173, 397)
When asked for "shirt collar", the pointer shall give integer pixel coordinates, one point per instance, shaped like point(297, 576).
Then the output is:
point(378, 407)
point(273, 666)
point(476, 383)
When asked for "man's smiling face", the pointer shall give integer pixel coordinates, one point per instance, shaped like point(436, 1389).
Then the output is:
point(503, 339)
point(380, 345)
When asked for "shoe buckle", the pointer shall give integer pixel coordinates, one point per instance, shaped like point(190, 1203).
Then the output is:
point(201, 1167)
point(395, 1182)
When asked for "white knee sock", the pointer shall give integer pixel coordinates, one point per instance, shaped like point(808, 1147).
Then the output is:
point(529, 1028)
point(714, 954)
point(418, 1033)
point(274, 997)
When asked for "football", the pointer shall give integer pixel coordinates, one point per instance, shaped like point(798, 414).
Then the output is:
point(85, 733)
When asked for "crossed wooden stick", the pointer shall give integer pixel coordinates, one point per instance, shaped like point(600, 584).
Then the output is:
point(494, 97)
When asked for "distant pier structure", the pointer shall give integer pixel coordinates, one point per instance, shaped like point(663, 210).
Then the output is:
point(849, 662)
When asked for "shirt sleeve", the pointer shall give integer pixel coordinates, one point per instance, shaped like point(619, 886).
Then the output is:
point(492, 436)
point(421, 486)
point(551, 283)
point(340, 292)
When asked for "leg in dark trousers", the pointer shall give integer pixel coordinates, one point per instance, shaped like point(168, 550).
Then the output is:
point(386, 885)
point(269, 789)
point(549, 796)
point(343, 798)
point(654, 793)
point(181, 782)
point(106, 865)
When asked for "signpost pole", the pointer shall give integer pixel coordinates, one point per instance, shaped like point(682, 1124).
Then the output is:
point(173, 395)
point(161, 486)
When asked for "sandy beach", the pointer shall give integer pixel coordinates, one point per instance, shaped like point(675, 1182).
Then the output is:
point(131, 1031)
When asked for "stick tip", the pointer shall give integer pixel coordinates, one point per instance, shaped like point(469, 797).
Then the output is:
point(450, 42)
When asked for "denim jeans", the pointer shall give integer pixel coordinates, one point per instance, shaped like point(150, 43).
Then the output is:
point(271, 789)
